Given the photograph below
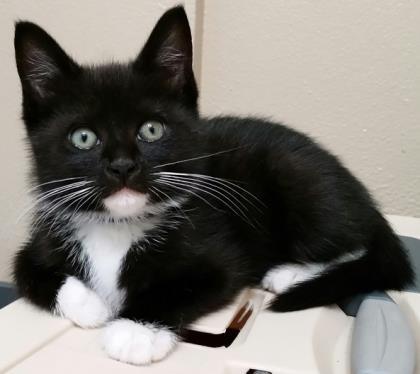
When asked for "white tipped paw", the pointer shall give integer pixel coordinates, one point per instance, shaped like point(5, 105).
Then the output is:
point(137, 343)
point(81, 305)
point(283, 277)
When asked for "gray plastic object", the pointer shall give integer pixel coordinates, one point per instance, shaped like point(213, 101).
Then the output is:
point(8, 294)
point(382, 341)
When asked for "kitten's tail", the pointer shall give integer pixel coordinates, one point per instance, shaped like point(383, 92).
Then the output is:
point(385, 266)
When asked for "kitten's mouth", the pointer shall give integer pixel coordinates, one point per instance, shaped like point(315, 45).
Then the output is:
point(126, 203)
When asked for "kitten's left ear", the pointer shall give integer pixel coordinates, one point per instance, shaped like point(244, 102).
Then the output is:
point(167, 55)
point(42, 64)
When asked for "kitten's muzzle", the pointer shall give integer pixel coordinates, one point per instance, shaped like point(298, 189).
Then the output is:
point(121, 169)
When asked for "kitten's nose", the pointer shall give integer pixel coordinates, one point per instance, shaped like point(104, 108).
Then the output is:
point(121, 168)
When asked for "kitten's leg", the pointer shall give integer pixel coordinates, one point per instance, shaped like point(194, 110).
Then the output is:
point(81, 305)
point(36, 278)
point(149, 327)
point(139, 338)
point(42, 280)
point(306, 286)
point(138, 343)
point(281, 278)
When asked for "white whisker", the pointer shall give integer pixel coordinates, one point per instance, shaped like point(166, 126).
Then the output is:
point(215, 194)
point(50, 194)
point(59, 214)
point(208, 187)
point(53, 181)
point(50, 210)
point(200, 157)
point(169, 184)
point(80, 201)
point(157, 192)
point(220, 180)
point(214, 185)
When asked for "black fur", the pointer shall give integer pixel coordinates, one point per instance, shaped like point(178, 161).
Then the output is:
point(315, 210)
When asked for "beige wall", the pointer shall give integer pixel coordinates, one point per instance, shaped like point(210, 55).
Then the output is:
point(345, 72)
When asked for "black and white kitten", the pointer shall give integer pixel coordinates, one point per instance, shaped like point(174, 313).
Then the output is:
point(148, 216)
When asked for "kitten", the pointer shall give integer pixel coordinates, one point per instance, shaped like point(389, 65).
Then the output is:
point(148, 216)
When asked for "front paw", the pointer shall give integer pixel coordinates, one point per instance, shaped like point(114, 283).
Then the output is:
point(137, 343)
point(81, 305)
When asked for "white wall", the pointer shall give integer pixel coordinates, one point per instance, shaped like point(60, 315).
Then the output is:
point(347, 72)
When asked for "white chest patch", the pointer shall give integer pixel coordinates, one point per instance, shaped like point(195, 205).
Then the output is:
point(105, 246)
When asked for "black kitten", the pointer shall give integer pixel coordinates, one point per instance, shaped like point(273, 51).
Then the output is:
point(148, 216)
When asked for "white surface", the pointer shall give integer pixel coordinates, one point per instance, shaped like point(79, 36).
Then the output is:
point(24, 329)
point(311, 341)
point(405, 226)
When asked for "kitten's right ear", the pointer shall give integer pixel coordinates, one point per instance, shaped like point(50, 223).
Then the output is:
point(168, 54)
point(41, 63)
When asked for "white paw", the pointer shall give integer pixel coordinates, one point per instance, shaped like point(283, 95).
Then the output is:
point(283, 277)
point(137, 343)
point(81, 305)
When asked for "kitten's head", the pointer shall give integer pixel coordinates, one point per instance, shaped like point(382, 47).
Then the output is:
point(99, 134)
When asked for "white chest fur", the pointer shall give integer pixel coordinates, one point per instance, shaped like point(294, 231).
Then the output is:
point(105, 246)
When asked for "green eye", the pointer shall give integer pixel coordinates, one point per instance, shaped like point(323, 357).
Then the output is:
point(151, 131)
point(83, 138)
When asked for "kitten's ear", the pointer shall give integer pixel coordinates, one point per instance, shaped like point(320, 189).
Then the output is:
point(167, 54)
point(41, 62)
